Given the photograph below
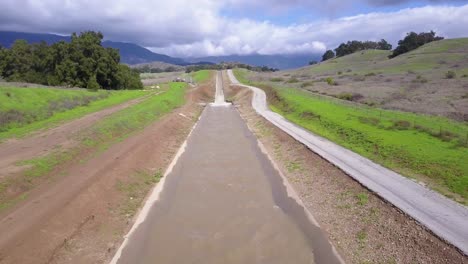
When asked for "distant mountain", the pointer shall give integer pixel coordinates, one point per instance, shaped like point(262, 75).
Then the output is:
point(130, 53)
point(134, 54)
point(281, 62)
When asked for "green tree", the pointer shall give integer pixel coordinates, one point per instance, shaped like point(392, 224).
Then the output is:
point(384, 45)
point(17, 61)
point(413, 41)
point(92, 83)
point(329, 54)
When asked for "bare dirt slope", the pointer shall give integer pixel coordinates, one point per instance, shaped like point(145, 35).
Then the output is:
point(363, 228)
point(43, 142)
point(81, 216)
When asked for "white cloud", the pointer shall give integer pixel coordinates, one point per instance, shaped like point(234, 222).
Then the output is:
point(198, 28)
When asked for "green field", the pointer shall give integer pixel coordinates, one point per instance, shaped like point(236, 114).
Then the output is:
point(429, 148)
point(98, 137)
point(138, 116)
point(24, 110)
point(201, 76)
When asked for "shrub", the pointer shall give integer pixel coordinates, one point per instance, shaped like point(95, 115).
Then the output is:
point(401, 125)
point(350, 96)
point(370, 74)
point(369, 120)
point(306, 84)
point(293, 80)
point(310, 115)
point(450, 75)
point(420, 79)
point(340, 72)
point(276, 79)
point(330, 81)
point(359, 78)
point(370, 103)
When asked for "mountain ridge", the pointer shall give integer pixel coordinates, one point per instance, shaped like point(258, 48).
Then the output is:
point(132, 53)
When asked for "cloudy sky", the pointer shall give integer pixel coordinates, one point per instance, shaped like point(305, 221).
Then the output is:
point(194, 28)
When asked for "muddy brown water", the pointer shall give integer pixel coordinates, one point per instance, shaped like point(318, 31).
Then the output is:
point(224, 202)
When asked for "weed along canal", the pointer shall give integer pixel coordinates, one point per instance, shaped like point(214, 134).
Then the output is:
point(224, 202)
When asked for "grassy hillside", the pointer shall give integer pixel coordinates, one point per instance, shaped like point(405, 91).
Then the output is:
point(201, 76)
point(431, 149)
point(23, 110)
point(432, 79)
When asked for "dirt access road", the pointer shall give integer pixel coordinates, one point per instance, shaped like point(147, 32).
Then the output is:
point(224, 202)
point(43, 142)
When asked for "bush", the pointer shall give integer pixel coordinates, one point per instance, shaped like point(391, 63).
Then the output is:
point(369, 120)
point(330, 81)
point(93, 84)
point(310, 115)
point(306, 84)
point(401, 125)
point(350, 96)
point(370, 74)
point(450, 75)
point(359, 78)
point(293, 80)
point(276, 79)
point(420, 79)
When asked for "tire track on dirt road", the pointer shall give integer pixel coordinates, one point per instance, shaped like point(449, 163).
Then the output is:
point(43, 142)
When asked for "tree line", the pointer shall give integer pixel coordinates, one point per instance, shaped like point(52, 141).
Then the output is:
point(410, 42)
point(82, 62)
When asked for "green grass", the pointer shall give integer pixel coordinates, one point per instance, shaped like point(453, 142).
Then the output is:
point(242, 76)
point(363, 198)
point(201, 76)
point(430, 148)
point(411, 143)
point(99, 137)
point(25, 110)
point(135, 190)
point(136, 117)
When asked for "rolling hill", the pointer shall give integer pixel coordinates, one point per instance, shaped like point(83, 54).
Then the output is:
point(417, 81)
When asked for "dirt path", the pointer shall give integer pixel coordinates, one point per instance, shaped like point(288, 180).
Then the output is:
point(81, 217)
point(43, 142)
